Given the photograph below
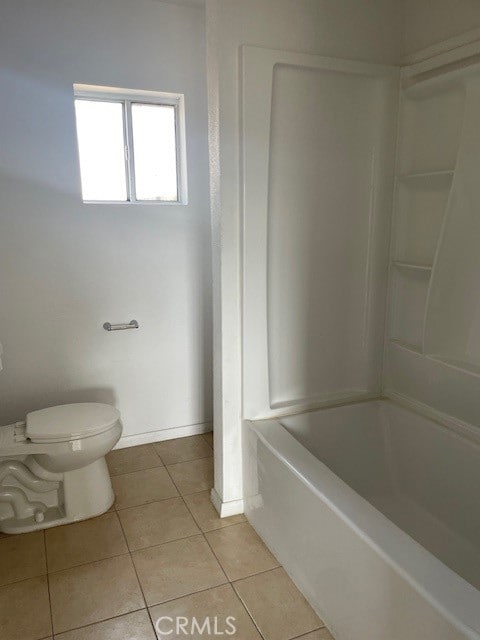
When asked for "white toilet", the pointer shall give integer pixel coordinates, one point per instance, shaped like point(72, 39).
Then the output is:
point(52, 467)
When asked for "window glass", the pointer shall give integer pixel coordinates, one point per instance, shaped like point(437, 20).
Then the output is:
point(101, 150)
point(154, 152)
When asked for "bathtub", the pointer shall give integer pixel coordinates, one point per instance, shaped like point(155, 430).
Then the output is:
point(374, 511)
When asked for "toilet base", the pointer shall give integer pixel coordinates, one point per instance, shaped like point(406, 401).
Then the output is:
point(83, 493)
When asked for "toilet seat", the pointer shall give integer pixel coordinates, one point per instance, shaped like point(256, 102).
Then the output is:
point(70, 422)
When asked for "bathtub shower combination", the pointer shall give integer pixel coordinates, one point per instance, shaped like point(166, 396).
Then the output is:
point(360, 503)
point(361, 337)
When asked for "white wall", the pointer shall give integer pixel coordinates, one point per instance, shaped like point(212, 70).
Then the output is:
point(362, 30)
point(67, 267)
point(428, 22)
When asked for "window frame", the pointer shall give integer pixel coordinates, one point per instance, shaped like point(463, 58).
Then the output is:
point(127, 97)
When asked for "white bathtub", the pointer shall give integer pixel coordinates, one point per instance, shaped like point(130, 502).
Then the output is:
point(374, 510)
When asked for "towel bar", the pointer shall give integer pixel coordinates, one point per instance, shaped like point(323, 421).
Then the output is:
point(133, 324)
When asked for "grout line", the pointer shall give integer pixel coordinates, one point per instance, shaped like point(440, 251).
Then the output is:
point(304, 635)
point(204, 436)
point(225, 526)
point(248, 612)
point(230, 582)
point(177, 495)
point(92, 624)
point(174, 464)
point(152, 444)
point(84, 564)
point(192, 493)
point(131, 560)
point(124, 473)
point(151, 620)
point(191, 513)
point(161, 544)
point(214, 554)
point(258, 573)
point(188, 459)
point(174, 483)
point(48, 583)
point(187, 595)
point(171, 464)
point(144, 504)
point(9, 584)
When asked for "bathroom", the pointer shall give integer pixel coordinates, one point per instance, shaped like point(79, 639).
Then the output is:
point(248, 407)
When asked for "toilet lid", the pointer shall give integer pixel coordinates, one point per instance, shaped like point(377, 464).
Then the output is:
point(70, 421)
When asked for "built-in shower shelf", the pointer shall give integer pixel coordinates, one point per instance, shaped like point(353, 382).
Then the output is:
point(412, 265)
point(459, 365)
point(444, 174)
point(406, 345)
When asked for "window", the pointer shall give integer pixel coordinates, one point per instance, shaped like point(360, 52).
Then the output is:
point(131, 145)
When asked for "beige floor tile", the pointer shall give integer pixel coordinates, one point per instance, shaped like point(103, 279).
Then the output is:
point(24, 610)
point(133, 626)
point(22, 557)
point(183, 449)
point(84, 542)
point(177, 569)
point(205, 514)
point(277, 606)
point(132, 459)
point(193, 476)
point(320, 634)
point(209, 438)
point(220, 602)
point(94, 592)
point(157, 522)
point(141, 487)
point(240, 551)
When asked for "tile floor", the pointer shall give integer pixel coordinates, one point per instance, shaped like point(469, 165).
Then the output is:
point(160, 551)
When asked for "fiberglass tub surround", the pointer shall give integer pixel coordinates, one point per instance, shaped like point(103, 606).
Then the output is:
point(371, 507)
point(318, 145)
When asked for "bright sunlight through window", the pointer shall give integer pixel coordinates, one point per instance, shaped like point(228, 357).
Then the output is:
point(131, 145)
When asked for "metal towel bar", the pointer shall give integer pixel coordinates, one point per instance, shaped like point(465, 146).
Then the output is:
point(133, 324)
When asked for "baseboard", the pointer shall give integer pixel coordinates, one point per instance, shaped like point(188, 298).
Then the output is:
point(226, 509)
point(163, 434)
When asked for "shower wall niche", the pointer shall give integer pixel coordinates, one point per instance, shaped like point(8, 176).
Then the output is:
point(430, 129)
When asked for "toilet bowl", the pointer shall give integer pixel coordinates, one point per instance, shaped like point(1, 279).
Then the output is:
point(52, 466)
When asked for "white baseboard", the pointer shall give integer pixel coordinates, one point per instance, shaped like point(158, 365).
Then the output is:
point(163, 434)
point(226, 509)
